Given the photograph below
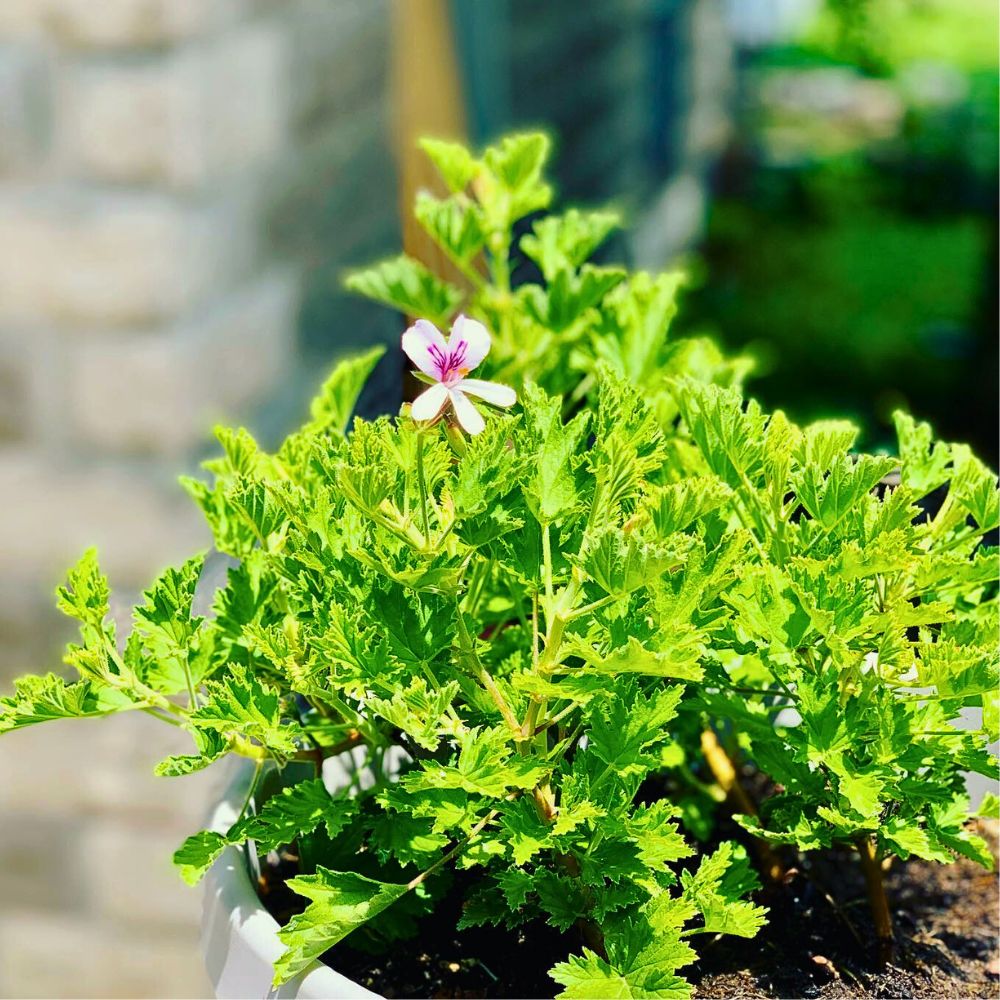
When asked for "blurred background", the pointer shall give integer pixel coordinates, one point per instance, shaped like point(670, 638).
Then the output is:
point(183, 183)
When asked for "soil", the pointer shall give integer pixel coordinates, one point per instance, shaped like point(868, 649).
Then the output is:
point(818, 943)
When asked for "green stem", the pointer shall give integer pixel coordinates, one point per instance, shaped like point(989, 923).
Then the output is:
point(192, 693)
point(422, 485)
point(257, 771)
point(445, 858)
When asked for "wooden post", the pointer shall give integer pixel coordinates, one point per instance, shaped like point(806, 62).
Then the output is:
point(426, 93)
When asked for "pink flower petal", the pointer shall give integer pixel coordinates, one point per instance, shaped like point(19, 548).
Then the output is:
point(468, 343)
point(429, 403)
point(468, 416)
point(492, 392)
point(426, 347)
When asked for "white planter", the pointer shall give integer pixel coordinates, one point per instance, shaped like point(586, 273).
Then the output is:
point(239, 938)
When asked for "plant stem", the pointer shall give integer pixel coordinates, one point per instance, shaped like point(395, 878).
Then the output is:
point(257, 771)
point(422, 486)
point(445, 858)
point(725, 774)
point(485, 678)
point(876, 898)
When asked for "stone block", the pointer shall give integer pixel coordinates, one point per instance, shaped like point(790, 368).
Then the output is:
point(139, 519)
point(161, 392)
point(341, 58)
point(135, 23)
point(82, 258)
point(46, 865)
point(131, 872)
point(57, 955)
point(195, 114)
point(25, 106)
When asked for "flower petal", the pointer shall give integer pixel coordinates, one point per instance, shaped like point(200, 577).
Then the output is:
point(429, 403)
point(468, 416)
point(468, 343)
point(492, 392)
point(426, 347)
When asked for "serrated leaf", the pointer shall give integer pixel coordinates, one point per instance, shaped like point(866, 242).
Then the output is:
point(551, 489)
point(332, 406)
point(340, 902)
point(563, 242)
point(454, 162)
point(241, 704)
point(453, 223)
point(198, 853)
point(484, 766)
point(405, 284)
point(47, 697)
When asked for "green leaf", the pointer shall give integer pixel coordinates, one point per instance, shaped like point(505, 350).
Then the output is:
point(563, 242)
point(589, 977)
point(731, 439)
point(715, 889)
point(212, 747)
point(453, 223)
point(924, 461)
point(47, 697)
point(828, 496)
point(240, 704)
point(418, 711)
point(198, 853)
point(677, 506)
point(551, 488)
point(454, 162)
point(294, 812)
point(484, 767)
point(405, 284)
point(620, 562)
point(515, 174)
point(340, 903)
point(333, 405)
point(623, 726)
point(85, 594)
point(679, 659)
point(990, 806)
point(524, 830)
point(569, 295)
point(167, 625)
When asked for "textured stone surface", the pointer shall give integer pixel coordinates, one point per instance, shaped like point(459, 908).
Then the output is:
point(177, 382)
point(194, 115)
point(58, 955)
point(25, 108)
point(85, 258)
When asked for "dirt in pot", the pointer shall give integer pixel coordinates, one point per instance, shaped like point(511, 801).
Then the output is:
point(818, 943)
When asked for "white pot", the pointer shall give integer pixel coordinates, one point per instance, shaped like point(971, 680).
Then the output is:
point(239, 938)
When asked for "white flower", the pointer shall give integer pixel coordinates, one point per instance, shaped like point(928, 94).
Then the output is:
point(447, 362)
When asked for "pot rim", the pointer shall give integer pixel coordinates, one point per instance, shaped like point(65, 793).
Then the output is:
point(239, 938)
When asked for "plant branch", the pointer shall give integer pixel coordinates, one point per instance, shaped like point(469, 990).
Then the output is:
point(725, 774)
point(881, 916)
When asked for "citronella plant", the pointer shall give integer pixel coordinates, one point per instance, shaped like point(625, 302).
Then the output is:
point(509, 618)
point(527, 274)
point(862, 625)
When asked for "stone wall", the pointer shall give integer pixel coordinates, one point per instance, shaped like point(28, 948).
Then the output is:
point(181, 184)
point(164, 165)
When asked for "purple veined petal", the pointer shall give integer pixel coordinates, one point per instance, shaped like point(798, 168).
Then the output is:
point(491, 392)
point(430, 403)
point(426, 347)
point(468, 344)
point(468, 416)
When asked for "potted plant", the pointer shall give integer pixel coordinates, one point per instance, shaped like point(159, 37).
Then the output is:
point(467, 651)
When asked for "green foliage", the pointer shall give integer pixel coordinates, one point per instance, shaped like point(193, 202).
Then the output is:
point(556, 330)
point(846, 618)
point(519, 634)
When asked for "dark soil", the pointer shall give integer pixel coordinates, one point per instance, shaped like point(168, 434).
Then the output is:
point(819, 940)
point(818, 943)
